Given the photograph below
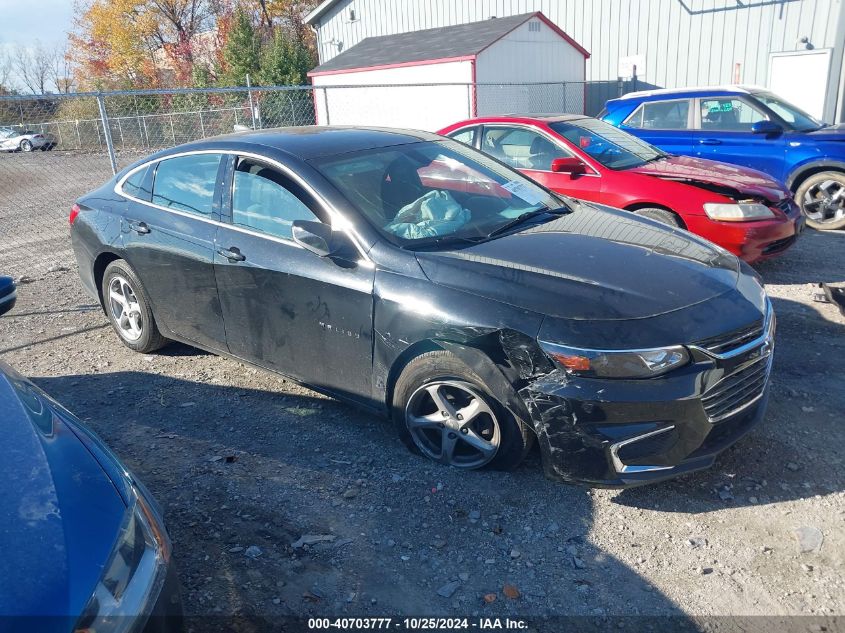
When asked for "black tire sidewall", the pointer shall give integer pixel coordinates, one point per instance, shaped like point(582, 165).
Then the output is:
point(150, 339)
point(801, 191)
point(24, 145)
point(516, 438)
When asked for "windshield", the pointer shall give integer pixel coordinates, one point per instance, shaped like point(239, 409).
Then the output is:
point(612, 147)
point(434, 192)
point(795, 117)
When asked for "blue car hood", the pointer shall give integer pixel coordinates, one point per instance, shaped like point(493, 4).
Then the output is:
point(60, 513)
point(829, 133)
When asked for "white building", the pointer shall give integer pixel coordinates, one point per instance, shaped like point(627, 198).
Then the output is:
point(520, 63)
point(793, 46)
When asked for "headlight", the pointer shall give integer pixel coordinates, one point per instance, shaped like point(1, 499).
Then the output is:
point(133, 576)
point(737, 212)
point(640, 363)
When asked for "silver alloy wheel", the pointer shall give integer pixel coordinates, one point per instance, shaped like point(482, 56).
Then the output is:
point(124, 309)
point(825, 202)
point(26, 145)
point(451, 422)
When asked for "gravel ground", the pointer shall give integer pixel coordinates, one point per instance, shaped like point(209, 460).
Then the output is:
point(248, 467)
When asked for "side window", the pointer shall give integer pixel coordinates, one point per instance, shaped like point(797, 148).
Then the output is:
point(134, 185)
point(521, 148)
point(660, 115)
point(187, 183)
point(465, 136)
point(265, 200)
point(729, 114)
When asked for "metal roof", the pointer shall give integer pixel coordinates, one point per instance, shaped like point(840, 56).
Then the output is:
point(461, 41)
point(319, 10)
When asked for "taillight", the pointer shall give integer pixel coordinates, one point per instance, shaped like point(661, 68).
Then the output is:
point(74, 211)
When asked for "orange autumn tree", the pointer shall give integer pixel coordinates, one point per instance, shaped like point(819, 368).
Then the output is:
point(137, 43)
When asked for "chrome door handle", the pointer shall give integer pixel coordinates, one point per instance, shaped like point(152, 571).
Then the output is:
point(140, 228)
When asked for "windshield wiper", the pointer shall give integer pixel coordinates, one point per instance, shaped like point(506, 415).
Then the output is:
point(444, 240)
point(524, 217)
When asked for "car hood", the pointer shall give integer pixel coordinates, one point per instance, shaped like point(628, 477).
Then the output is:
point(595, 263)
point(61, 512)
point(747, 182)
point(827, 133)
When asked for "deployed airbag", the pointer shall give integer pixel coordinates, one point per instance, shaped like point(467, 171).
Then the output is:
point(435, 213)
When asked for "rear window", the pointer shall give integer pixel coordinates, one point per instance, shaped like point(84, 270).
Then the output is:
point(133, 186)
point(186, 183)
point(661, 115)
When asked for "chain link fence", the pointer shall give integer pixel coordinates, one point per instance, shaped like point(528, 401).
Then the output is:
point(55, 148)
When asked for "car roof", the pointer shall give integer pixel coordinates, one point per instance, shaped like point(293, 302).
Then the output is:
point(516, 117)
point(691, 91)
point(313, 141)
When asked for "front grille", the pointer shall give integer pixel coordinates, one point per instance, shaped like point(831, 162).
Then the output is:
point(785, 205)
point(723, 343)
point(737, 391)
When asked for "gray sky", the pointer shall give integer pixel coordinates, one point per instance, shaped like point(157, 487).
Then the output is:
point(25, 21)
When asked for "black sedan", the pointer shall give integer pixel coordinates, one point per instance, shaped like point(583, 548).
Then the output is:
point(84, 546)
point(415, 276)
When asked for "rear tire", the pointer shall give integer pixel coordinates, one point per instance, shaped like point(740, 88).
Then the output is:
point(26, 146)
point(661, 215)
point(822, 200)
point(128, 309)
point(487, 435)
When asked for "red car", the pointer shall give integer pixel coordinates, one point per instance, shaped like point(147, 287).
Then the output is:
point(745, 211)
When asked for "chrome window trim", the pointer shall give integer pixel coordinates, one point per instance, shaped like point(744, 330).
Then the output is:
point(623, 468)
point(330, 210)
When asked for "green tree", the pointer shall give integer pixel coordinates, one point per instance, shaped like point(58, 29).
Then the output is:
point(286, 61)
point(242, 53)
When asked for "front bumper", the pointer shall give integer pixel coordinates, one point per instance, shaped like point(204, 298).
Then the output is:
point(166, 615)
point(623, 433)
point(753, 241)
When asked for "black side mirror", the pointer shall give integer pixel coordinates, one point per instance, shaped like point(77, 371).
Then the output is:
point(769, 128)
point(8, 294)
point(319, 238)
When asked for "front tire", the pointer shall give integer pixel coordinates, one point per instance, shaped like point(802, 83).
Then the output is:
point(128, 309)
point(822, 200)
point(661, 215)
point(443, 411)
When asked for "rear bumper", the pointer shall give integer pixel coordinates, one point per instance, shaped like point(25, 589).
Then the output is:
point(752, 241)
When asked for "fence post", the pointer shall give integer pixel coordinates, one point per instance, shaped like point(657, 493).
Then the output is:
point(202, 127)
point(146, 131)
point(251, 104)
point(101, 102)
point(326, 101)
point(78, 137)
point(469, 101)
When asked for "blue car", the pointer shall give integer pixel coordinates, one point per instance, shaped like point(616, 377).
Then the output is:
point(745, 126)
point(83, 544)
